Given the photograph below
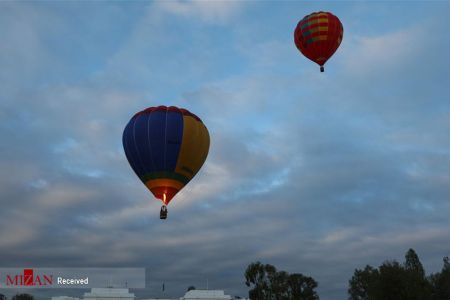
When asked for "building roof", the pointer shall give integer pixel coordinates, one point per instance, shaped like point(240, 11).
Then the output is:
point(108, 293)
point(206, 294)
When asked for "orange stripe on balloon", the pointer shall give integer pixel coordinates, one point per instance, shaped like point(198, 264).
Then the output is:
point(152, 183)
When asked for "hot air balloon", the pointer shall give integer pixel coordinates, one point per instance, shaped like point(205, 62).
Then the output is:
point(166, 147)
point(318, 35)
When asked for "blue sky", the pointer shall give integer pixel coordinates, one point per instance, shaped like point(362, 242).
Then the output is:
point(318, 173)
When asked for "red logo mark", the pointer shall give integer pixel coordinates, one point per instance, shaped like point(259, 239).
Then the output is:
point(27, 278)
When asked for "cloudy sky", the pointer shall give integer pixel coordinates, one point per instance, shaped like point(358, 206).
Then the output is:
point(318, 173)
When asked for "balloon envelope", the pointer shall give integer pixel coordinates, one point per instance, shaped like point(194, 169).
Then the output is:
point(166, 147)
point(318, 35)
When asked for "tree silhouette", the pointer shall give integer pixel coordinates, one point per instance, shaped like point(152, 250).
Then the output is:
point(302, 287)
point(413, 264)
point(417, 285)
point(440, 282)
point(363, 283)
point(22, 297)
point(269, 284)
point(395, 281)
point(256, 275)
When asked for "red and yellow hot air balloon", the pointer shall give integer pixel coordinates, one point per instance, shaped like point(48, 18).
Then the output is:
point(318, 35)
point(166, 147)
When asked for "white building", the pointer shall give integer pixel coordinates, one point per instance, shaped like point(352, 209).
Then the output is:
point(108, 294)
point(205, 295)
point(201, 295)
point(64, 298)
point(124, 294)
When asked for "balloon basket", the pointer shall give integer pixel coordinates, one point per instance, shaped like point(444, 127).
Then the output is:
point(163, 212)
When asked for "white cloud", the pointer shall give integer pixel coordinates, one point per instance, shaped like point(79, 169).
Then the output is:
point(383, 53)
point(209, 11)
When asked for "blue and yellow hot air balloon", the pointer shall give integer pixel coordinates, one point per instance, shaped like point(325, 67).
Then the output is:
point(166, 147)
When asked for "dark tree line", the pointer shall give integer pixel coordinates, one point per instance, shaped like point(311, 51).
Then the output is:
point(390, 281)
point(267, 283)
point(395, 281)
point(23, 297)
